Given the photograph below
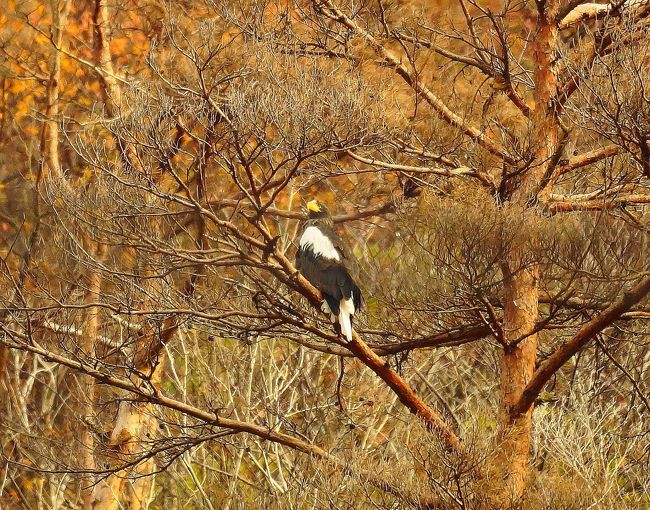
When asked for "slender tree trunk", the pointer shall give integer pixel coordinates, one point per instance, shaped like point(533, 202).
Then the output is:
point(521, 276)
point(50, 142)
point(517, 365)
point(134, 425)
point(86, 383)
point(111, 88)
point(134, 422)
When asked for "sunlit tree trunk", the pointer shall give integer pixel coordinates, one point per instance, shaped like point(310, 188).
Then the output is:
point(86, 384)
point(134, 420)
point(521, 277)
point(51, 127)
point(517, 365)
point(134, 425)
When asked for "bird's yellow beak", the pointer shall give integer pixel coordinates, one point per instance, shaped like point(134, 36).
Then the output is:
point(313, 206)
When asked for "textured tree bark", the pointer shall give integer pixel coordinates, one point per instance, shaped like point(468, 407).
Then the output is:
point(586, 333)
point(517, 364)
point(134, 424)
point(521, 277)
point(86, 384)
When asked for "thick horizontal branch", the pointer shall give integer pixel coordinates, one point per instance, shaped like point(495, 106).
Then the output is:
point(589, 11)
point(451, 338)
point(446, 172)
point(391, 60)
point(437, 341)
point(583, 13)
point(448, 339)
point(71, 330)
point(152, 395)
point(588, 158)
point(573, 302)
point(599, 204)
point(606, 42)
point(586, 333)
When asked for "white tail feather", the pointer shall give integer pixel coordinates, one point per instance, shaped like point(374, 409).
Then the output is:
point(346, 311)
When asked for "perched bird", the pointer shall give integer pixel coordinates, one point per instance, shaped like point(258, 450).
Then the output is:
point(327, 262)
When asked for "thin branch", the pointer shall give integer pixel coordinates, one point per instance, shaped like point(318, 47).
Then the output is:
point(378, 210)
point(152, 395)
point(391, 60)
point(453, 172)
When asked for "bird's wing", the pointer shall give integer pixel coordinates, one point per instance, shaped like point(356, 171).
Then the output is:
point(335, 277)
point(348, 259)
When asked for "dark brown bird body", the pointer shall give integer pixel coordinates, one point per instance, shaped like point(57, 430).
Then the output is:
point(327, 262)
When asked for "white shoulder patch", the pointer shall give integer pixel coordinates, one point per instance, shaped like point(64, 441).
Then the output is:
point(322, 246)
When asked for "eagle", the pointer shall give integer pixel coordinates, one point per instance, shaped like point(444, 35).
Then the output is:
point(326, 261)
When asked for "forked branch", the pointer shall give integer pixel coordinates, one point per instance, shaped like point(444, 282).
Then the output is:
point(390, 59)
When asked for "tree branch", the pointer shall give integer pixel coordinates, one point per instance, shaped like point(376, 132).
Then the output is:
point(378, 210)
point(405, 393)
point(153, 395)
point(599, 204)
point(446, 172)
point(589, 158)
point(583, 13)
point(579, 340)
point(328, 9)
point(447, 339)
point(395, 381)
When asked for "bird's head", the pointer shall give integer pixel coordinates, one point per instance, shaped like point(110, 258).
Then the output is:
point(316, 209)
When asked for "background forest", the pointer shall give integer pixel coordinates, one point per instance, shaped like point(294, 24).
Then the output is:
point(487, 160)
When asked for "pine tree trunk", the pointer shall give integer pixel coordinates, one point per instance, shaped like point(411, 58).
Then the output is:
point(517, 365)
point(521, 274)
